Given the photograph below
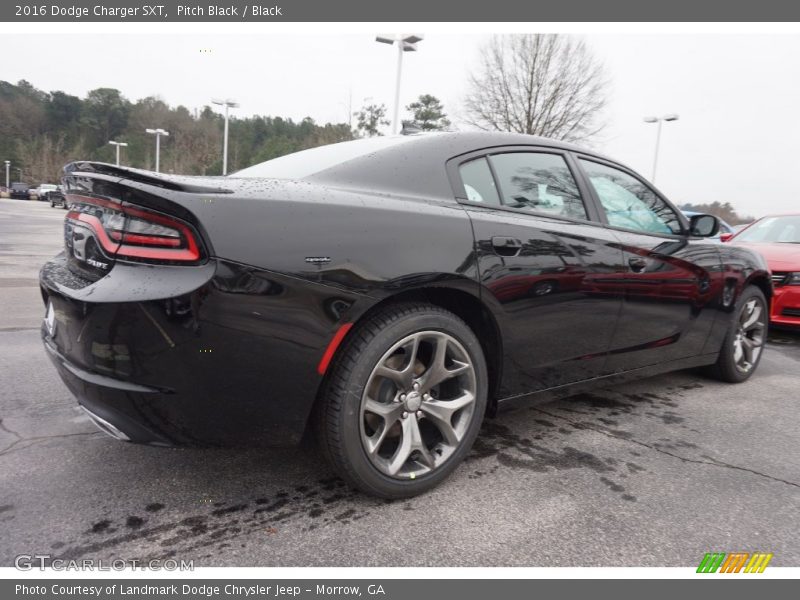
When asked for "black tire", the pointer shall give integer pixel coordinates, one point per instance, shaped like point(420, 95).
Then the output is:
point(727, 368)
point(338, 415)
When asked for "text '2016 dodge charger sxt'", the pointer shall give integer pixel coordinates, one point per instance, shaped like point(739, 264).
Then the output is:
point(386, 293)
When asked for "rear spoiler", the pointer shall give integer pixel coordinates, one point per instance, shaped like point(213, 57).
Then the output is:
point(178, 183)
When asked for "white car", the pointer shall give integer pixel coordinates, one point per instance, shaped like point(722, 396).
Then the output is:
point(42, 191)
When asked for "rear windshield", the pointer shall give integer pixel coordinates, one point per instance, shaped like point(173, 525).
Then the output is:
point(308, 162)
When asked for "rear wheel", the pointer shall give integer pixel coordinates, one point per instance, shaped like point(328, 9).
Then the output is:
point(743, 346)
point(404, 400)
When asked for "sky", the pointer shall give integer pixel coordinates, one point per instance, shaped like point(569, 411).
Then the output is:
point(738, 96)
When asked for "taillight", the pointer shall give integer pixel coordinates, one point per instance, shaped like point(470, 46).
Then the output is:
point(125, 231)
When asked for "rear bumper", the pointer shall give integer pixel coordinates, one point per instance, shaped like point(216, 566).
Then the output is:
point(785, 309)
point(117, 407)
point(219, 355)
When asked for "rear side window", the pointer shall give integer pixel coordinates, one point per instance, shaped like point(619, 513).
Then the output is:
point(629, 203)
point(478, 182)
point(538, 182)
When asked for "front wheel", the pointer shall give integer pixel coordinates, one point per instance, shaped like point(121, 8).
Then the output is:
point(742, 349)
point(404, 400)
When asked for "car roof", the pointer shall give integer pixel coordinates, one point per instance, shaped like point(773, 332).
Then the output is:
point(454, 143)
point(425, 155)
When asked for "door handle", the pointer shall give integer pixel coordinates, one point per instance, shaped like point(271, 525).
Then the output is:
point(506, 246)
point(637, 264)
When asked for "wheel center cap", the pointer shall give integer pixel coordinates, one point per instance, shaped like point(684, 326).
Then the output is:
point(413, 401)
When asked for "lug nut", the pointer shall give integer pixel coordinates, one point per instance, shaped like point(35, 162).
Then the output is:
point(405, 415)
point(416, 385)
point(419, 414)
point(402, 397)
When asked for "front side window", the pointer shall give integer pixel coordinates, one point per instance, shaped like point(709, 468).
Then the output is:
point(629, 203)
point(538, 182)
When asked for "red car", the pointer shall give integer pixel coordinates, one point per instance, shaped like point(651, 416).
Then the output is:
point(777, 238)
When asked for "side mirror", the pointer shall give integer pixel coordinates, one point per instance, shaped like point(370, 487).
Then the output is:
point(725, 237)
point(703, 225)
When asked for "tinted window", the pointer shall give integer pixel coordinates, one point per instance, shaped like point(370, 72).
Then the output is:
point(629, 203)
point(479, 182)
point(538, 182)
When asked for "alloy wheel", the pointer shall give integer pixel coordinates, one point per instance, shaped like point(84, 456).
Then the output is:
point(418, 404)
point(748, 338)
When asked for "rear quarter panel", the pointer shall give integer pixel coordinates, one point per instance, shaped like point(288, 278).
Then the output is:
point(366, 243)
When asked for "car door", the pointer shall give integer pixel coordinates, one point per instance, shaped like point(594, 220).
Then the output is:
point(545, 268)
point(671, 277)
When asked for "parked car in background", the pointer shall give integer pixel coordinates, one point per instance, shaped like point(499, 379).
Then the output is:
point(777, 239)
point(724, 228)
point(20, 191)
point(55, 197)
point(384, 293)
point(43, 190)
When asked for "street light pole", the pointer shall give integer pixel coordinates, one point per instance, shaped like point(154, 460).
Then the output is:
point(660, 121)
point(8, 169)
point(227, 104)
point(405, 43)
point(158, 133)
point(118, 144)
point(398, 79)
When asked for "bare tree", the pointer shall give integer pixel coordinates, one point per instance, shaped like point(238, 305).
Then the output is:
point(45, 155)
point(541, 84)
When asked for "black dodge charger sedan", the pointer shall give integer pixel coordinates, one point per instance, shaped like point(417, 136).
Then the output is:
point(385, 293)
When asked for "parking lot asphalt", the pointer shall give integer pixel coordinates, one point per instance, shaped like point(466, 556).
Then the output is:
point(653, 473)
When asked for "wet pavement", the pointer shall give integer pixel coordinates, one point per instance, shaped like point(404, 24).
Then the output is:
point(653, 473)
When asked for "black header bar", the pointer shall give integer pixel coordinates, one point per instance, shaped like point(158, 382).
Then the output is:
point(189, 11)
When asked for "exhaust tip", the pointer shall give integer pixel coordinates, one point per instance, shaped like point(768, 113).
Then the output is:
point(105, 426)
